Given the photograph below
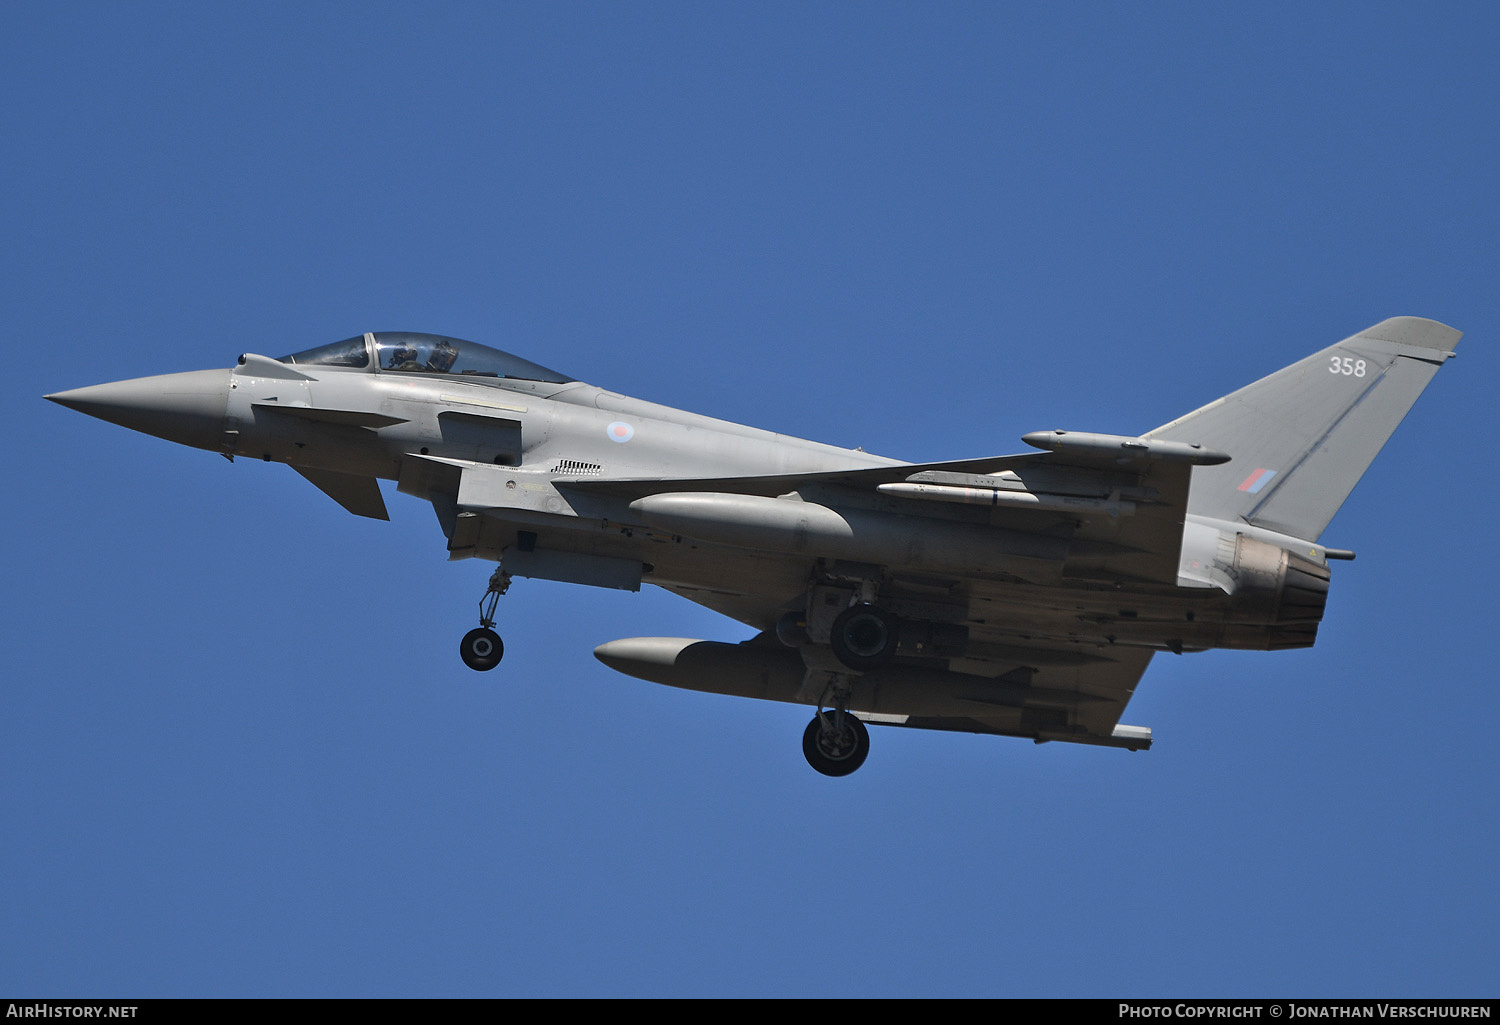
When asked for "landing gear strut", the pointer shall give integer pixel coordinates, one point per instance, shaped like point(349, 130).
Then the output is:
point(481, 649)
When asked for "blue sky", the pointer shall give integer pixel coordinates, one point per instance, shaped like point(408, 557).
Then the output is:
point(240, 756)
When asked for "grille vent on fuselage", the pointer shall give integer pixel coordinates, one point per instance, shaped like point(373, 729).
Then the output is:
point(576, 468)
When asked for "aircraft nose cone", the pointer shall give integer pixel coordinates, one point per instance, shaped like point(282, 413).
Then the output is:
point(185, 408)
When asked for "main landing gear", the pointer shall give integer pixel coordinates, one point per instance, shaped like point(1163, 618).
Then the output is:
point(841, 635)
point(481, 649)
point(835, 742)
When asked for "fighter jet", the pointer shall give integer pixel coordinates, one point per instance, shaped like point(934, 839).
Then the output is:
point(1019, 595)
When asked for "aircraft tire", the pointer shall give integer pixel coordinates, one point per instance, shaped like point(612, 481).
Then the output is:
point(836, 754)
point(864, 637)
point(481, 649)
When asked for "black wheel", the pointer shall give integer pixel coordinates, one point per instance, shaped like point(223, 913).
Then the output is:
point(864, 637)
point(481, 649)
point(835, 751)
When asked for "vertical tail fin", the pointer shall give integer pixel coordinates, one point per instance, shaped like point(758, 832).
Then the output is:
point(1302, 437)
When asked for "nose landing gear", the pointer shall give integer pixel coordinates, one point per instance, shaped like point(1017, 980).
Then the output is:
point(481, 649)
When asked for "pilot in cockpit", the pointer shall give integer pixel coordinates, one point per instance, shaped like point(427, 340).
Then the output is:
point(443, 355)
point(404, 357)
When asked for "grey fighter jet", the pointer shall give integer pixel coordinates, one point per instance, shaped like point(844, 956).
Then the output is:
point(1019, 595)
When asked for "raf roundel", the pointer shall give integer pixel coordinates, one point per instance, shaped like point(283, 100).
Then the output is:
point(620, 432)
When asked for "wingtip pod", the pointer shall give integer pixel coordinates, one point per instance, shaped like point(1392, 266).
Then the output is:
point(1418, 332)
point(1132, 738)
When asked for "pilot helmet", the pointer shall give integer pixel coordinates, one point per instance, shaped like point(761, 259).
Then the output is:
point(443, 355)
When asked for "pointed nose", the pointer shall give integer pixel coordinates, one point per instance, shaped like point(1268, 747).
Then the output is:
point(185, 408)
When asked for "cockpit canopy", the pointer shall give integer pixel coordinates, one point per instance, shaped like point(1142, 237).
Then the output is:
point(412, 353)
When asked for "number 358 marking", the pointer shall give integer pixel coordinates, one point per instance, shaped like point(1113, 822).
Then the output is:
point(1346, 366)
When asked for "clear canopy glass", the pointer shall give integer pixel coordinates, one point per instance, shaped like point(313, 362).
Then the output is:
point(412, 353)
point(351, 352)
